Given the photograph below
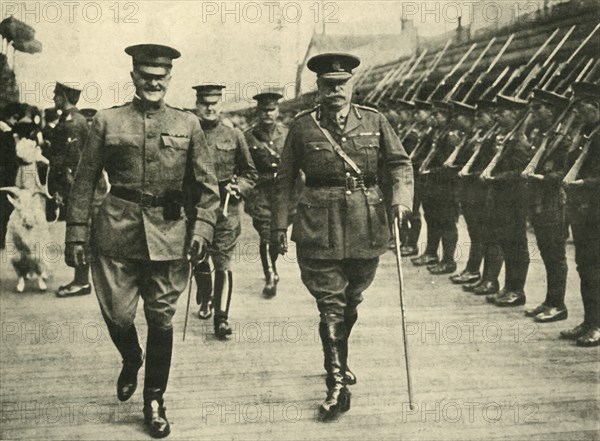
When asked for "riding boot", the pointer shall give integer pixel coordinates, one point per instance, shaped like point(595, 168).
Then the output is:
point(204, 290)
point(223, 290)
point(338, 396)
point(349, 320)
point(269, 258)
point(159, 349)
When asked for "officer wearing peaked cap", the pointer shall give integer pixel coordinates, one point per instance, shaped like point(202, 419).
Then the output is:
point(160, 167)
point(265, 140)
point(341, 227)
point(236, 175)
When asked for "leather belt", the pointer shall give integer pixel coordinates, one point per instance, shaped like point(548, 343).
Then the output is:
point(138, 197)
point(349, 182)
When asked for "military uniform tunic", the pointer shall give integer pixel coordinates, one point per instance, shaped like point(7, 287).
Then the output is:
point(135, 250)
point(232, 159)
point(265, 148)
point(340, 232)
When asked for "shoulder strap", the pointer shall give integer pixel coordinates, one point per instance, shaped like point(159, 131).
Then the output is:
point(336, 147)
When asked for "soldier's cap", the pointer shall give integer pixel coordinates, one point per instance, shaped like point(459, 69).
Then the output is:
point(333, 66)
point(209, 92)
point(405, 104)
point(504, 102)
point(549, 98)
point(154, 59)
point(69, 89)
point(441, 105)
point(423, 105)
point(585, 90)
point(88, 112)
point(265, 99)
point(462, 108)
point(485, 105)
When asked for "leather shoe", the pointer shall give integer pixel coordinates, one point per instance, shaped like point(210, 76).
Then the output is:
point(425, 259)
point(127, 381)
point(72, 290)
point(512, 298)
point(442, 268)
point(537, 310)
point(493, 297)
point(222, 329)
point(486, 288)
point(206, 311)
point(552, 315)
point(408, 250)
point(470, 287)
point(590, 339)
point(155, 417)
point(465, 277)
point(575, 333)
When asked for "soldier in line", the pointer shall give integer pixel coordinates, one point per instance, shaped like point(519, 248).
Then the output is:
point(10, 113)
point(341, 227)
point(472, 197)
point(67, 141)
point(583, 208)
point(509, 205)
point(440, 206)
point(265, 140)
point(547, 209)
point(236, 175)
point(160, 165)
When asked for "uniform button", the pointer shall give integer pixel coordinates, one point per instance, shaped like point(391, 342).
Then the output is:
point(366, 191)
point(347, 173)
point(255, 147)
point(348, 192)
point(274, 164)
point(343, 139)
point(271, 142)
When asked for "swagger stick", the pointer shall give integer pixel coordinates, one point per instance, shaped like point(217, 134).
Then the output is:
point(397, 221)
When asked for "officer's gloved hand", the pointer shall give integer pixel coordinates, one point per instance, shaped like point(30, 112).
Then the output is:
point(75, 255)
point(279, 241)
point(233, 189)
point(197, 250)
point(402, 212)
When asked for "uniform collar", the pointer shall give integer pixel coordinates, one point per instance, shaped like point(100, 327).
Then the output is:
point(353, 120)
point(209, 125)
point(146, 107)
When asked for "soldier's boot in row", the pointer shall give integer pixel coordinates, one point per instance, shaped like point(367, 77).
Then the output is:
point(429, 256)
point(338, 395)
point(222, 297)
point(204, 290)
point(553, 309)
point(471, 272)
point(80, 285)
point(268, 258)
point(590, 288)
point(411, 248)
point(492, 264)
point(449, 240)
point(159, 349)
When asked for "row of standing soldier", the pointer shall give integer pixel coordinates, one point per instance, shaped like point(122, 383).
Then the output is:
point(501, 160)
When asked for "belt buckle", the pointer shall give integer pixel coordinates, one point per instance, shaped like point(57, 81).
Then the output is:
point(146, 200)
point(350, 183)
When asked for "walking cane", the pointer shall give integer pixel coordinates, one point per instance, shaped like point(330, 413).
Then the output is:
point(187, 309)
point(397, 221)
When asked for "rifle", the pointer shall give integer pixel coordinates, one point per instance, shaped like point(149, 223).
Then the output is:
point(467, 168)
point(379, 85)
point(449, 162)
point(537, 68)
point(425, 75)
point(468, 73)
point(590, 76)
point(452, 71)
point(567, 62)
point(423, 169)
point(573, 174)
point(491, 88)
point(408, 75)
point(399, 70)
point(486, 72)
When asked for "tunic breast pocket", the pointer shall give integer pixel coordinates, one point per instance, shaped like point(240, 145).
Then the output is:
point(319, 159)
point(226, 149)
point(367, 148)
point(173, 155)
point(122, 158)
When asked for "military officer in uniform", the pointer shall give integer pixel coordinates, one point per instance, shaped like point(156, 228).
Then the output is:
point(236, 175)
point(265, 140)
point(341, 227)
point(582, 184)
point(67, 141)
point(159, 163)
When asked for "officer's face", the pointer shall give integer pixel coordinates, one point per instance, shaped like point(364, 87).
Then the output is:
point(150, 87)
point(208, 108)
point(334, 94)
point(60, 100)
point(268, 114)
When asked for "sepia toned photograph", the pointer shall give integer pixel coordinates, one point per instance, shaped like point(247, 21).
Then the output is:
point(300, 220)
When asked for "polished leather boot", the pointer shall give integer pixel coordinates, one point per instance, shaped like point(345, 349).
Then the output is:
point(408, 250)
point(512, 298)
point(486, 288)
point(442, 268)
point(159, 349)
point(576, 332)
point(223, 290)
point(465, 277)
point(537, 310)
point(338, 395)
point(329, 381)
point(590, 339)
point(470, 287)
point(271, 277)
point(552, 314)
point(203, 278)
point(425, 259)
point(349, 321)
point(133, 358)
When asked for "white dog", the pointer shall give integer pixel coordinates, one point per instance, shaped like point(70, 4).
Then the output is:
point(28, 232)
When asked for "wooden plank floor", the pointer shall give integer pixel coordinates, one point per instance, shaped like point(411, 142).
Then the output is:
point(479, 372)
